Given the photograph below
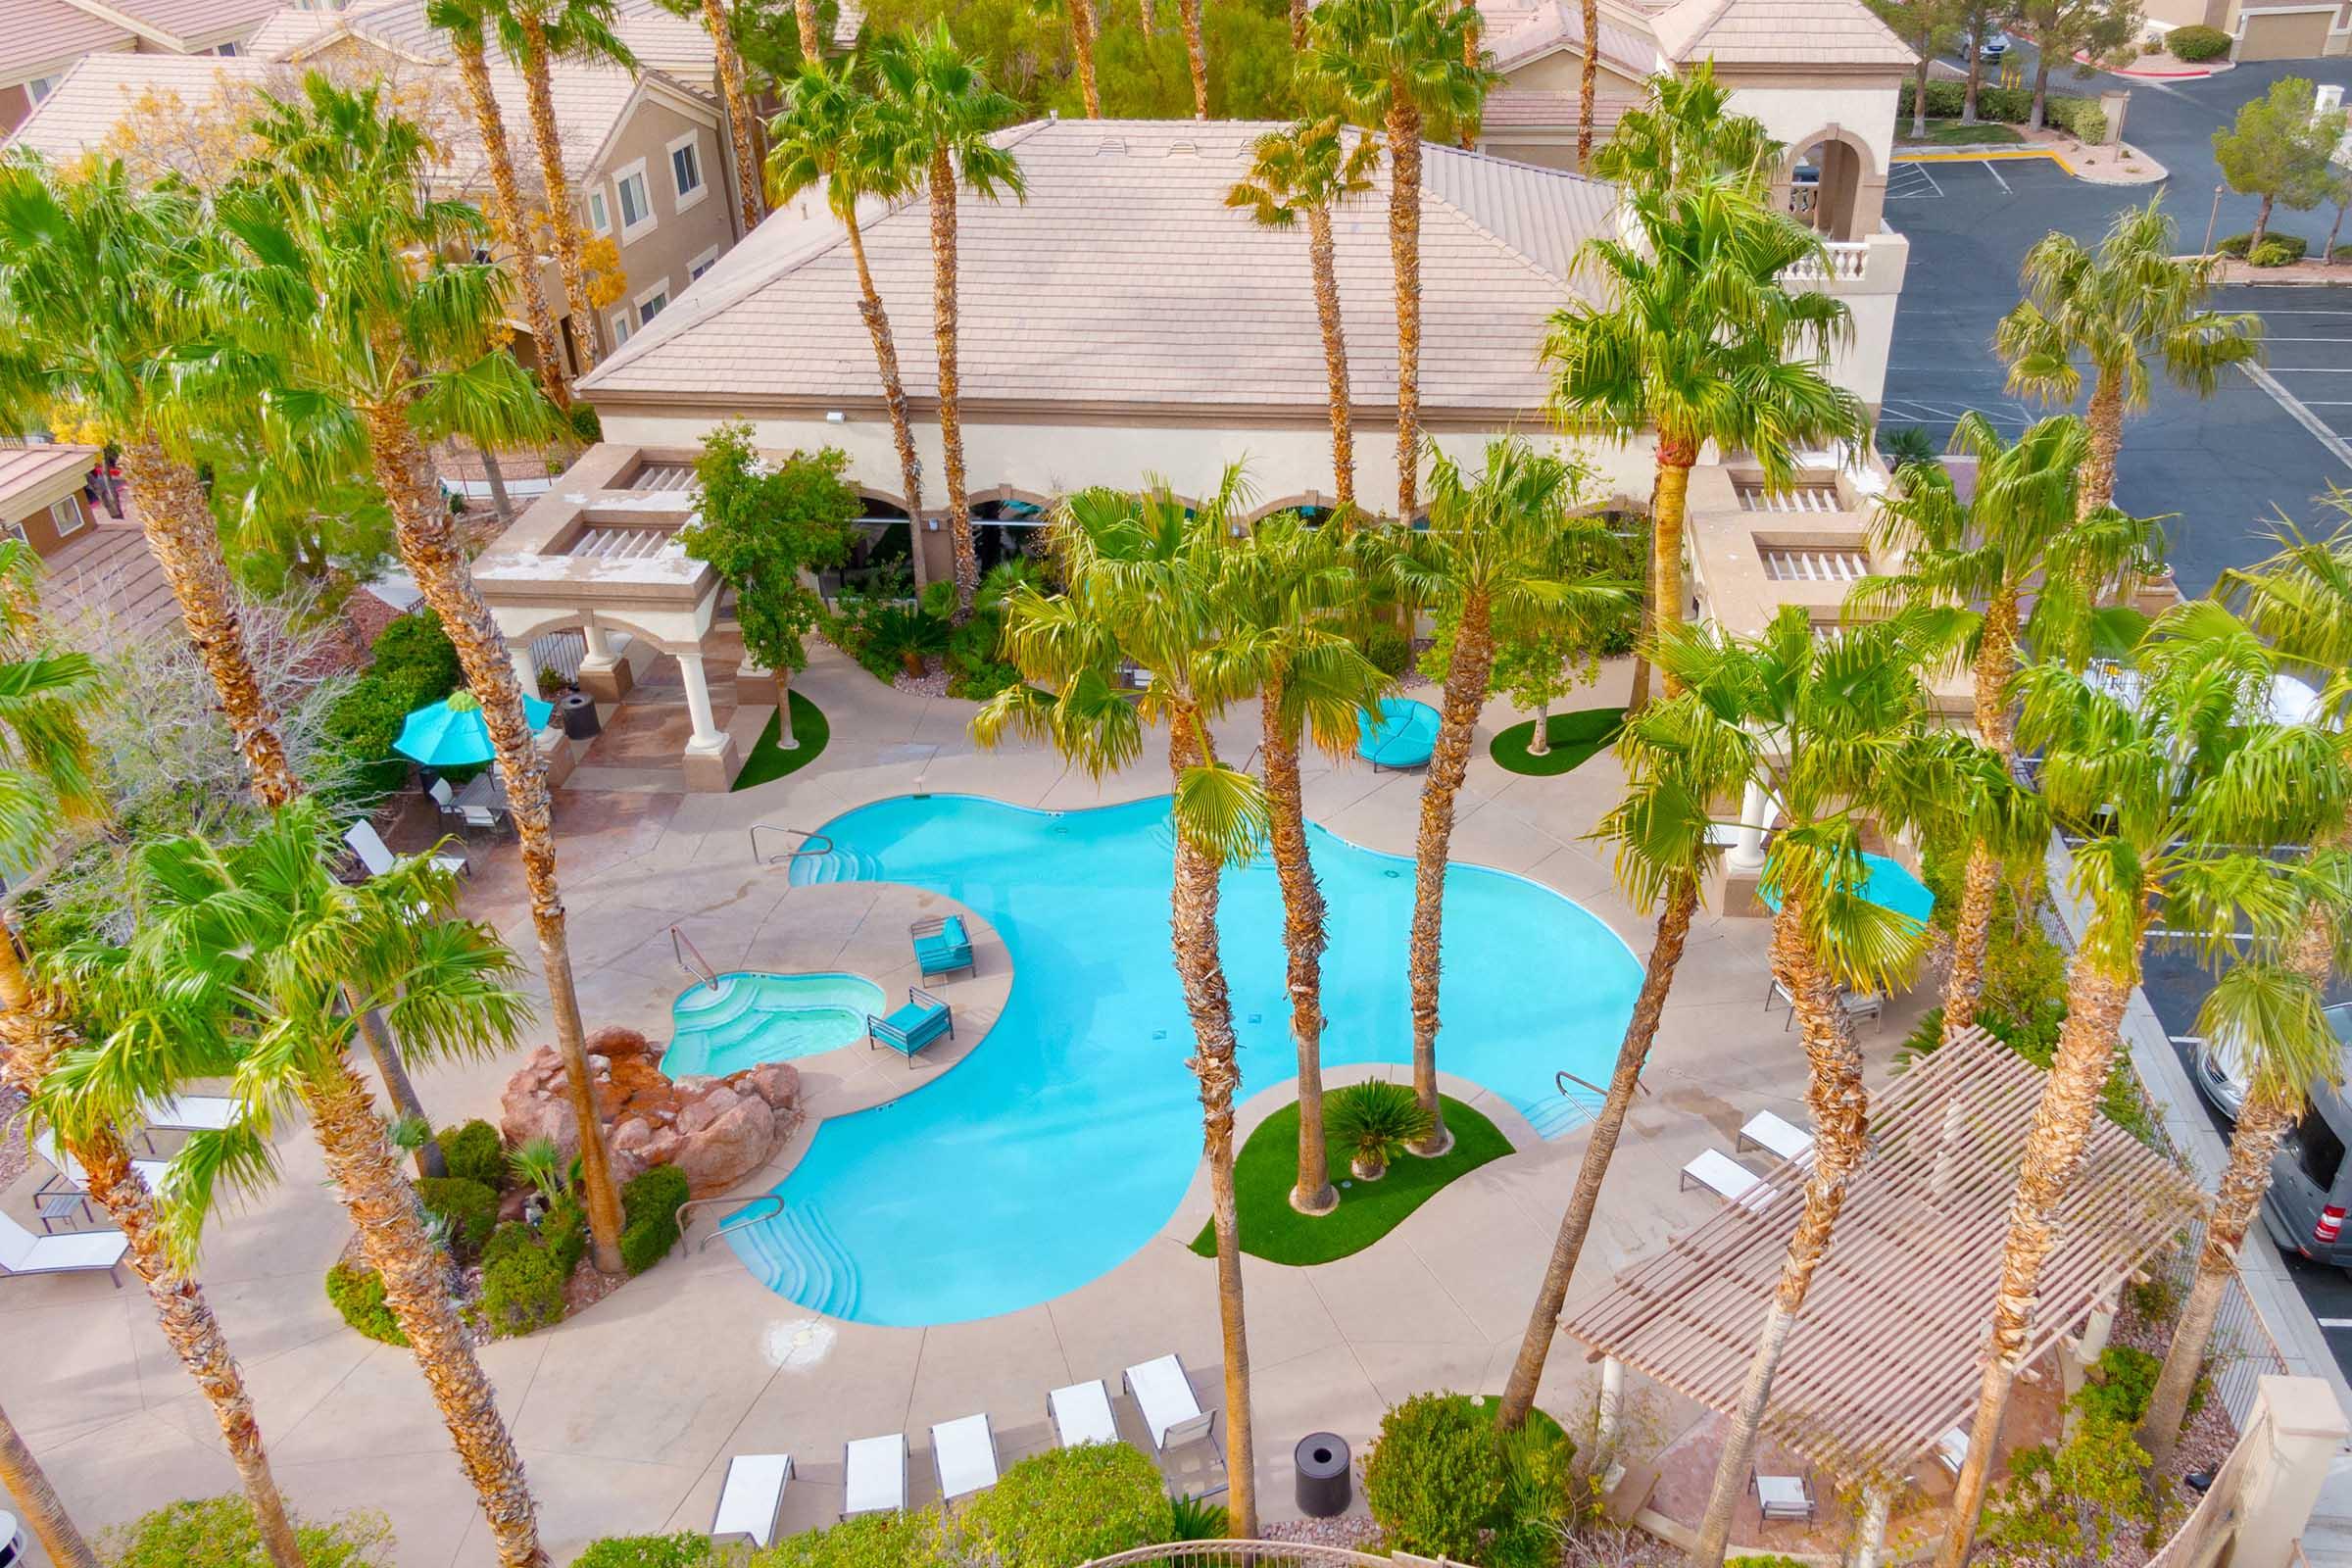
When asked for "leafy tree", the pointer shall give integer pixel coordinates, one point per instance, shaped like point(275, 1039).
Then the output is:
point(2069, 1504)
point(2064, 28)
point(1929, 28)
point(1979, 19)
point(220, 1533)
point(2280, 150)
point(762, 526)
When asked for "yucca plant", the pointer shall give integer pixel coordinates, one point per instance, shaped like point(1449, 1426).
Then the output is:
point(540, 1163)
point(1374, 1121)
point(909, 636)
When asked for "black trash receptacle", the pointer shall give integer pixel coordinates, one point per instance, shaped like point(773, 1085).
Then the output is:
point(578, 713)
point(1325, 1483)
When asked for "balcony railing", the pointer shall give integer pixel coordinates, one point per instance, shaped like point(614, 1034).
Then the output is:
point(1846, 261)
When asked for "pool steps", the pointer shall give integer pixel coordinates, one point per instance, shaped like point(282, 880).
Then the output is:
point(796, 1254)
point(837, 866)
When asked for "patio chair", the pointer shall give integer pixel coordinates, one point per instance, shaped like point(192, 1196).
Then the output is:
point(874, 1475)
point(913, 1026)
point(1856, 1006)
point(71, 1178)
point(443, 797)
point(482, 816)
point(1782, 1496)
point(185, 1113)
point(963, 1455)
point(377, 859)
point(1764, 1130)
point(1081, 1414)
point(1719, 1173)
point(1951, 1449)
point(941, 946)
point(750, 1499)
point(81, 1253)
point(1172, 1416)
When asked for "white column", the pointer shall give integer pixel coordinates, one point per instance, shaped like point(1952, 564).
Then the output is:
point(1609, 1413)
point(527, 672)
point(1870, 1538)
point(598, 647)
point(705, 737)
point(1747, 849)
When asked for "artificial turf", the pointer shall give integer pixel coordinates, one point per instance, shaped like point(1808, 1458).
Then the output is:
point(1267, 1167)
point(768, 761)
point(1574, 738)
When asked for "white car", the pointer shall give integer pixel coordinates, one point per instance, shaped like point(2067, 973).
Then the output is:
point(2223, 1081)
point(1995, 47)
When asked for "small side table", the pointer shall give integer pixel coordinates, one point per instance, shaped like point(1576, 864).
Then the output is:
point(61, 1205)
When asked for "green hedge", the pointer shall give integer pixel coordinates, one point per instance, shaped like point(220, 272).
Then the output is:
point(469, 1207)
point(522, 1291)
point(1443, 1482)
point(650, 1216)
point(2197, 44)
point(1067, 1506)
point(358, 1293)
point(918, 1539)
point(2285, 247)
point(685, 1550)
point(2078, 117)
point(475, 1152)
point(220, 1533)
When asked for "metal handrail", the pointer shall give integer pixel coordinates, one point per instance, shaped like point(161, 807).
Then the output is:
point(680, 943)
point(810, 843)
point(1564, 1078)
point(739, 1223)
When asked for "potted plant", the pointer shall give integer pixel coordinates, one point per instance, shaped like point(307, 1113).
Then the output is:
point(1374, 1121)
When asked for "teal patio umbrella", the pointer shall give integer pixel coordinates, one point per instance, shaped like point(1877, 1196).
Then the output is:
point(451, 733)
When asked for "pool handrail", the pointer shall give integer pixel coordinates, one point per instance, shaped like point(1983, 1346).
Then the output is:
point(1564, 1078)
point(812, 842)
point(739, 1222)
point(680, 944)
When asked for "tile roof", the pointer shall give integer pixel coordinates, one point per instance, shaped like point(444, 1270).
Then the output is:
point(24, 468)
point(1124, 279)
point(1526, 109)
point(1520, 30)
point(1780, 33)
point(659, 39)
point(287, 28)
point(42, 33)
point(183, 24)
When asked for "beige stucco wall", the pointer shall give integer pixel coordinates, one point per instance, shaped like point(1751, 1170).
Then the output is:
point(664, 251)
point(1563, 71)
point(1796, 111)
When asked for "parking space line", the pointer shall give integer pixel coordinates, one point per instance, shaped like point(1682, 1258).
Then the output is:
point(1997, 174)
point(2301, 415)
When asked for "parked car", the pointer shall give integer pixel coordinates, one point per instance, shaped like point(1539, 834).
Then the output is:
point(2222, 1083)
point(2311, 1183)
point(1994, 48)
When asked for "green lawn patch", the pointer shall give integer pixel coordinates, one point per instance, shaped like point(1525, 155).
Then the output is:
point(1574, 738)
point(768, 761)
point(1952, 133)
point(1267, 1169)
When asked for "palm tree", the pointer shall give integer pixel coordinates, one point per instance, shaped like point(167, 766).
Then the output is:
point(1143, 582)
point(532, 34)
point(1288, 586)
point(243, 966)
point(462, 20)
point(1085, 24)
point(1684, 136)
point(328, 220)
point(1588, 82)
point(1820, 726)
point(830, 133)
point(1694, 334)
point(1396, 63)
point(2020, 538)
point(22, 1474)
point(941, 110)
point(1305, 171)
point(1664, 856)
point(1187, 18)
point(2179, 802)
point(2124, 309)
point(739, 99)
point(1485, 554)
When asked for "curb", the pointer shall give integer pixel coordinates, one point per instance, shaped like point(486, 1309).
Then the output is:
point(2185, 74)
point(1997, 152)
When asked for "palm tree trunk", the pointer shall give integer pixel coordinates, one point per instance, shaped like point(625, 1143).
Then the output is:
point(384, 1052)
point(1995, 665)
point(1469, 126)
point(1193, 918)
point(1188, 14)
point(1322, 258)
point(32, 1038)
point(557, 185)
point(393, 1239)
point(2105, 417)
point(1148, 16)
point(739, 101)
point(893, 394)
point(2053, 1156)
point(422, 528)
point(1641, 1031)
point(508, 211)
point(803, 12)
point(499, 502)
point(1082, 43)
point(1303, 938)
point(22, 1474)
point(1298, 24)
point(950, 411)
point(1677, 457)
point(1466, 676)
point(1840, 1109)
point(1404, 253)
point(187, 546)
point(1588, 84)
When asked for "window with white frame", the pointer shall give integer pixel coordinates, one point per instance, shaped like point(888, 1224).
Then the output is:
point(227, 51)
point(686, 170)
point(41, 87)
point(636, 201)
point(600, 210)
point(653, 302)
point(623, 324)
point(701, 263)
point(67, 514)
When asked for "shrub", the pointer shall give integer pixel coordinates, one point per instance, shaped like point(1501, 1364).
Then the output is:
point(1067, 1506)
point(220, 1533)
point(650, 1216)
point(414, 657)
point(585, 424)
point(1435, 1478)
point(2078, 117)
point(1388, 650)
point(474, 1154)
point(2274, 253)
point(918, 1539)
point(685, 1550)
point(2197, 44)
point(358, 1293)
point(896, 636)
point(563, 1232)
point(1905, 444)
point(2072, 1502)
point(522, 1292)
point(1196, 1519)
point(511, 1236)
point(2235, 245)
point(467, 1207)
point(2122, 1381)
point(366, 718)
point(1373, 1121)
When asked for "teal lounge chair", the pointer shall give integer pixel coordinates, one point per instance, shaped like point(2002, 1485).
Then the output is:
point(940, 945)
point(1400, 735)
point(908, 1030)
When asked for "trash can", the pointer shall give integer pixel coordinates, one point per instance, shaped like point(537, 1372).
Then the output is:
point(578, 712)
point(1325, 1484)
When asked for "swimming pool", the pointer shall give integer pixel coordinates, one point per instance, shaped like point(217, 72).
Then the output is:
point(1060, 1145)
point(755, 1018)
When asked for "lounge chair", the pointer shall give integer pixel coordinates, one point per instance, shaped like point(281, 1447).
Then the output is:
point(71, 1178)
point(1857, 1005)
point(747, 1504)
point(1719, 1173)
point(963, 1454)
point(874, 1475)
point(940, 945)
point(377, 857)
point(1764, 1130)
point(1782, 1496)
point(80, 1253)
point(185, 1113)
point(1081, 1414)
point(1172, 1414)
point(1951, 1449)
point(910, 1028)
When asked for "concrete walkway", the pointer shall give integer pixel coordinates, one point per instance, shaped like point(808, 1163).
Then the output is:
point(627, 1414)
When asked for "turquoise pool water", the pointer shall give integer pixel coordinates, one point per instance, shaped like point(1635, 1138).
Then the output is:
point(754, 1017)
point(1063, 1143)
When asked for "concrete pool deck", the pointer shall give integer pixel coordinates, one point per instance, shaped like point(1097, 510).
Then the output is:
point(627, 1414)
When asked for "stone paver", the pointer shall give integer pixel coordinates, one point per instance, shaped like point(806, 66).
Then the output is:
point(627, 1414)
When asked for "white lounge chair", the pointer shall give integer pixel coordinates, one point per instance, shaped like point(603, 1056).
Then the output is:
point(71, 1178)
point(963, 1453)
point(1764, 1130)
point(1951, 1449)
point(369, 845)
point(1719, 1173)
point(747, 1504)
point(1857, 1005)
point(185, 1113)
point(1081, 1414)
point(1164, 1394)
point(81, 1253)
point(874, 1475)
point(1782, 1496)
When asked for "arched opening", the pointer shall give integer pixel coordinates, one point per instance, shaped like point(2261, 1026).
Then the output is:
point(1825, 184)
point(1006, 525)
point(881, 546)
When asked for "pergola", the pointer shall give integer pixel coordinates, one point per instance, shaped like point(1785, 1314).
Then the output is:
point(1887, 1356)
